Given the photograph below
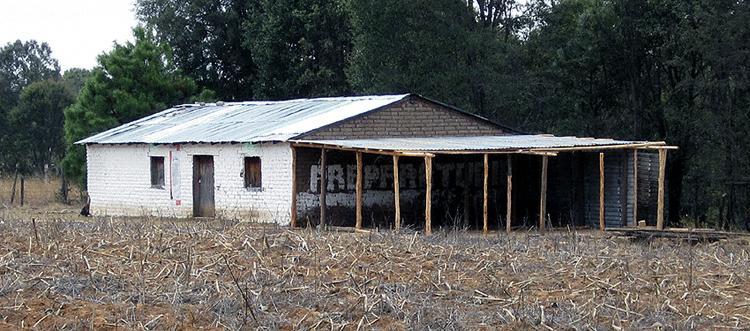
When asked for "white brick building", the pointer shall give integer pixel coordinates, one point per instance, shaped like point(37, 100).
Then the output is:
point(120, 184)
point(261, 161)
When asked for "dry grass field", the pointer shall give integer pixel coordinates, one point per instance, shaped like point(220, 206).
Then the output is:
point(65, 272)
point(37, 191)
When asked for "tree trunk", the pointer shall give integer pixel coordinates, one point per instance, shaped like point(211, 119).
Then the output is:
point(63, 188)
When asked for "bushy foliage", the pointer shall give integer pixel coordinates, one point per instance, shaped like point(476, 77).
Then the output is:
point(37, 123)
point(21, 63)
point(300, 48)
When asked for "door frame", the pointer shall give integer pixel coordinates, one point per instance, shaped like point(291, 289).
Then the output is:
point(197, 210)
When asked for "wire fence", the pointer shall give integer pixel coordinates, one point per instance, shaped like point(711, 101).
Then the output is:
point(36, 191)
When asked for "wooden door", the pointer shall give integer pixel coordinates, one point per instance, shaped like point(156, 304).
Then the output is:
point(203, 186)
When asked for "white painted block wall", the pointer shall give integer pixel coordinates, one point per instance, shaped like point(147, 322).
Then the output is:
point(119, 181)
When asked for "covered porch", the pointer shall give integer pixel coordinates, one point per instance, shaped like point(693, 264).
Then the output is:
point(487, 183)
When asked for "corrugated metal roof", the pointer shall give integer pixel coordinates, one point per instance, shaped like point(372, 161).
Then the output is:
point(240, 121)
point(474, 143)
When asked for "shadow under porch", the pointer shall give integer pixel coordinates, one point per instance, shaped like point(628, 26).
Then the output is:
point(457, 189)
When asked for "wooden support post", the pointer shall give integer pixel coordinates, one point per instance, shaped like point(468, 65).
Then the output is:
point(323, 187)
point(543, 194)
point(635, 187)
point(428, 195)
point(358, 189)
point(396, 193)
point(486, 192)
point(293, 210)
point(624, 190)
point(601, 192)
point(660, 202)
point(509, 195)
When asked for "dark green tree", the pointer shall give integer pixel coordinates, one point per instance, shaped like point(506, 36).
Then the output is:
point(206, 37)
point(300, 48)
point(467, 53)
point(667, 70)
point(494, 57)
point(131, 81)
point(37, 122)
point(411, 46)
point(21, 63)
point(75, 78)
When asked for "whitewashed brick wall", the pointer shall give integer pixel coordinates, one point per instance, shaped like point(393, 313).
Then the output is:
point(119, 181)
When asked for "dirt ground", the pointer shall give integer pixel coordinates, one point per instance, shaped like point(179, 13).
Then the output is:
point(62, 271)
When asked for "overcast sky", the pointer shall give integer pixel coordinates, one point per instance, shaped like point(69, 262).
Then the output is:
point(76, 30)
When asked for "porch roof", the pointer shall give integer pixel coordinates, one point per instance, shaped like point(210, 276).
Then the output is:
point(531, 144)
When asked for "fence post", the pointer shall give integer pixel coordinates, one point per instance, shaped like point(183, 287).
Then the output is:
point(22, 190)
point(13, 189)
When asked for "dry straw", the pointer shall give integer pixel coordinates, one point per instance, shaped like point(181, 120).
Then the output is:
point(161, 274)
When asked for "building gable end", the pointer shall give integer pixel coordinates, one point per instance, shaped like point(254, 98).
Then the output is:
point(412, 117)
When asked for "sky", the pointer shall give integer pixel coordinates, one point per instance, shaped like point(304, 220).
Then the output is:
point(76, 30)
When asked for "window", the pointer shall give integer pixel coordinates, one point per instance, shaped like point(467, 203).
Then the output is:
point(252, 172)
point(157, 171)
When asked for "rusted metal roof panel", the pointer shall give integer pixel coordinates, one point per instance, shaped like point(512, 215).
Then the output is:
point(240, 121)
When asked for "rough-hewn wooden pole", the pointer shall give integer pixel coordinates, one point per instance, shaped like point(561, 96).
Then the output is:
point(396, 194)
point(293, 210)
point(358, 189)
point(485, 198)
point(509, 195)
point(428, 195)
point(601, 192)
point(543, 194)
point(323, 187)
point(660, 201)
point(635, 187)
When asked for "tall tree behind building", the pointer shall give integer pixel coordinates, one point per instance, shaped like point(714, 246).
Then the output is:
point(410, 46)
point(206, 37)
point(260, 49)
point(300, 48)
point(467, 53)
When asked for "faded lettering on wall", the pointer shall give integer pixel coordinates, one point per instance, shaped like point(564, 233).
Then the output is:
point(342, 178)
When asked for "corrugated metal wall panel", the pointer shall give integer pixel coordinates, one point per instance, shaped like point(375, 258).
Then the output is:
point(616, 185)
point(648, 187)
point(628, 166)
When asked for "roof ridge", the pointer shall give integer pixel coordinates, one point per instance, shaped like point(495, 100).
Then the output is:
point(273, 102)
